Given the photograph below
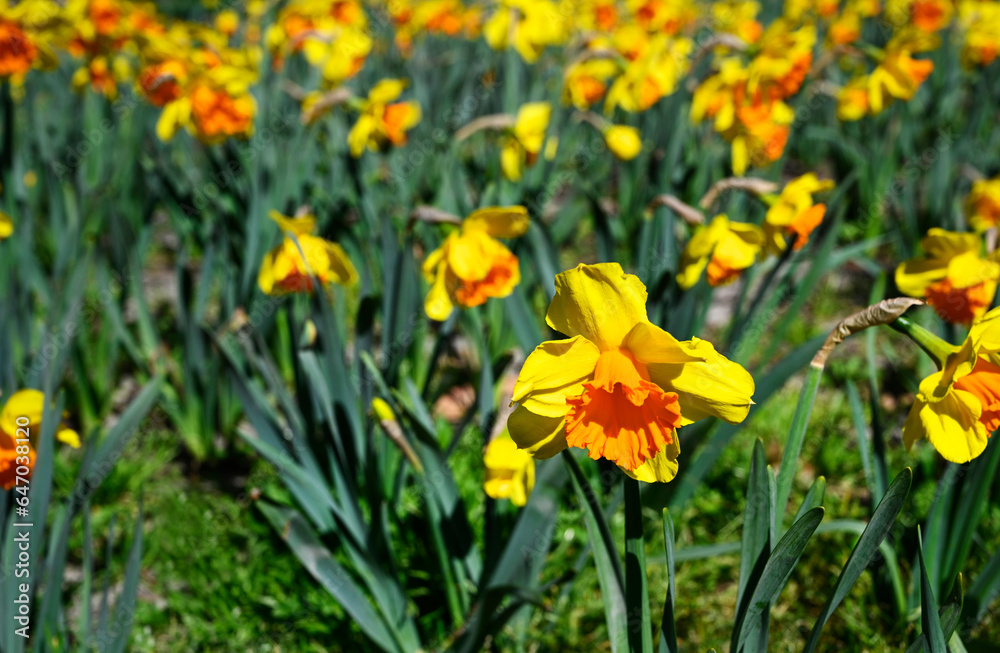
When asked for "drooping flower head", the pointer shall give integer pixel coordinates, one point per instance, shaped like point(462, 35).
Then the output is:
point(287, 267)
point(29, 405)
point(793, 213)
point(958, 407)
point(619, 386)
point(383, 121)
point(510, 472)
point(723, 247)
point(952, 275)
point(472, 265)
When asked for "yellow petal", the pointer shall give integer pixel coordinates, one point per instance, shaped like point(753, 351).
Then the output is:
point(69, 436)
point(713, 386)
point(699, 249)
point(542, 437)
point(23, 403)
point(386, 91)
point(939, 243)
point(740, 155)
point(951, 425)
point(913, 276)
point(651, 344)
point(532, 121)
point(599, 302)
point(662, 468)
point(265, 278)
point(499, 221)
point(555, 370)
point(433, 260)
point(511, 157)
point(623, 141)
point(471, 255)
point(360, 134)
point(340, 265)
point(438, 305)
point(299, 226)
point(6, 226)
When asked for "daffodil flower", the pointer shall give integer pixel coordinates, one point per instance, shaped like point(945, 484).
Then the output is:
point(27, 404)
point(522, 146)
point(528, 25)
point(510, 472)
point(472, 265)
point(382, 121)
point(619, 386)
point(287, 267)
point(723, 247)
point(952, 275)
point(793, 213)
point(983, 204)
point(958, 407)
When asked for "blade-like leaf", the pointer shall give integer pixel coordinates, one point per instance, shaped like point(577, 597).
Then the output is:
point(668, 632)
point(929, 618)
point(779, 567)
point(606, 558)
point(863, 552)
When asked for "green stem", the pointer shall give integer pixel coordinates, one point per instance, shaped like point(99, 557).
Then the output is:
point(935, 347)
point(640, 635)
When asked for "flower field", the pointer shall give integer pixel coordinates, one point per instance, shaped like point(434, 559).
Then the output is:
point(518, 325)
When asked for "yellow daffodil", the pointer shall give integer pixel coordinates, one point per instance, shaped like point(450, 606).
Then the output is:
point(24, 405)
point(737, 17)
point(852, 100)
point(529, 25)
point(522, 146)
point(510, 472)
point(980, 22)
point(287, 267)
point(215, 104)
point(472, 265)
point(383, 122)
point(983, 204)
point(651, 75)
point(623, 141)
point(952, 275)
point(619, 386)
point(793, 213)
point(957, 408)
point(586, 82)
point(724, 247)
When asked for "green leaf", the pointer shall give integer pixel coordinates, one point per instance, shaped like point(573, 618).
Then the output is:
point(969, 511)
point(606, 558)
point(756, 540)
point(640, 635)
point(814, 497)
point(668, 631)
point(985, 589)
point(864, 551)
point(126, 603)
point(779, 567)
point(331, 574)
point(929, 618)
point(796, 436)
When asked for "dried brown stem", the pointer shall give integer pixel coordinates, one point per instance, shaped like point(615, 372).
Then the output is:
point(885, 312)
